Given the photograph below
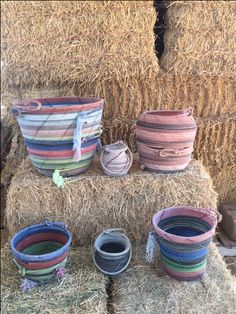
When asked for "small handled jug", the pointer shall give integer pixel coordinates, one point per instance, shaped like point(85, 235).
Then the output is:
point(116, 159)
point(112, 252)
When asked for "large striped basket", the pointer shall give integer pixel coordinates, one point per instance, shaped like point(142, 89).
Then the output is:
point(184, 234)
point(40, 250)
point(60, 133)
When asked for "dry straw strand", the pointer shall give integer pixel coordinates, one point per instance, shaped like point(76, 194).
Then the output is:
point(215, 142)
point(224, 179)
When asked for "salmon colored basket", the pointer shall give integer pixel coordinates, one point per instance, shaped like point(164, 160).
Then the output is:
point(165, 139)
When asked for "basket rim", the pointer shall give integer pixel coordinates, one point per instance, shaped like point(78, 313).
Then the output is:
point(210, 213)
point(57, 226)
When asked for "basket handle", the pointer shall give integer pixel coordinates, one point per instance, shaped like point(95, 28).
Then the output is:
point(218, 215)
point(110, 231)
point(25, 106)
point(189, 111)
point(166, 152)
point(171, 152)
point(21, 269)
point(56, 224)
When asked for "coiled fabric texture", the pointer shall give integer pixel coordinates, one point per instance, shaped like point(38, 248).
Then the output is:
point(112, 252)
point(184, 235)
point(60, 133)
point(165, 139)
point(40, 250)
point(116, 159)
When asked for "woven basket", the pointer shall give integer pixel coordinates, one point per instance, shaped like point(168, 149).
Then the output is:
point(39, 250)
point(165, 139)
point(112, 252)
point(184, 234)
point(60, 133)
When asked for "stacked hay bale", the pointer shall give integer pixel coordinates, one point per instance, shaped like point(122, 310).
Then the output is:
point(82, 48)
point(148, 289)
point(82, 290)
point(103, 48)
point(93, 201)
point(200, 38)
point(199, 58)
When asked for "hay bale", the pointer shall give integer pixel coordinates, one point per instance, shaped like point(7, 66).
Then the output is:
point(6, 138)
point(15, 156)
point(83, 290)
point(74, 41)
point(224, 179)
point(92, 201)
point(200, 38)
point(3, 205)
point(216, 141)
point(147, 289)
point(4, 237)
point(208, 95)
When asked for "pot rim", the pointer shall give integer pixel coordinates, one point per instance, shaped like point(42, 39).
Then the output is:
point(57, 105)
point(49, 101)
point(97, 245)
point(212, 220)
point(169, 113)
point(57, 226)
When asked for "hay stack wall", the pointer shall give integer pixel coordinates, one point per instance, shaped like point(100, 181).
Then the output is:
point(200, 38)
point(200, 41)
point(103, 48)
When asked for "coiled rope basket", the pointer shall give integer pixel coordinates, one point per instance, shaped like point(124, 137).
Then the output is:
point(165, 139)
point(112, 252)
point(60, 133)
point(40, 250)
point(184, 235)
point(116, 159)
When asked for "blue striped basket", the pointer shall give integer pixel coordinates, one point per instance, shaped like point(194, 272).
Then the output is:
point(40, 250)
point(60, 133)
point(184, 235)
